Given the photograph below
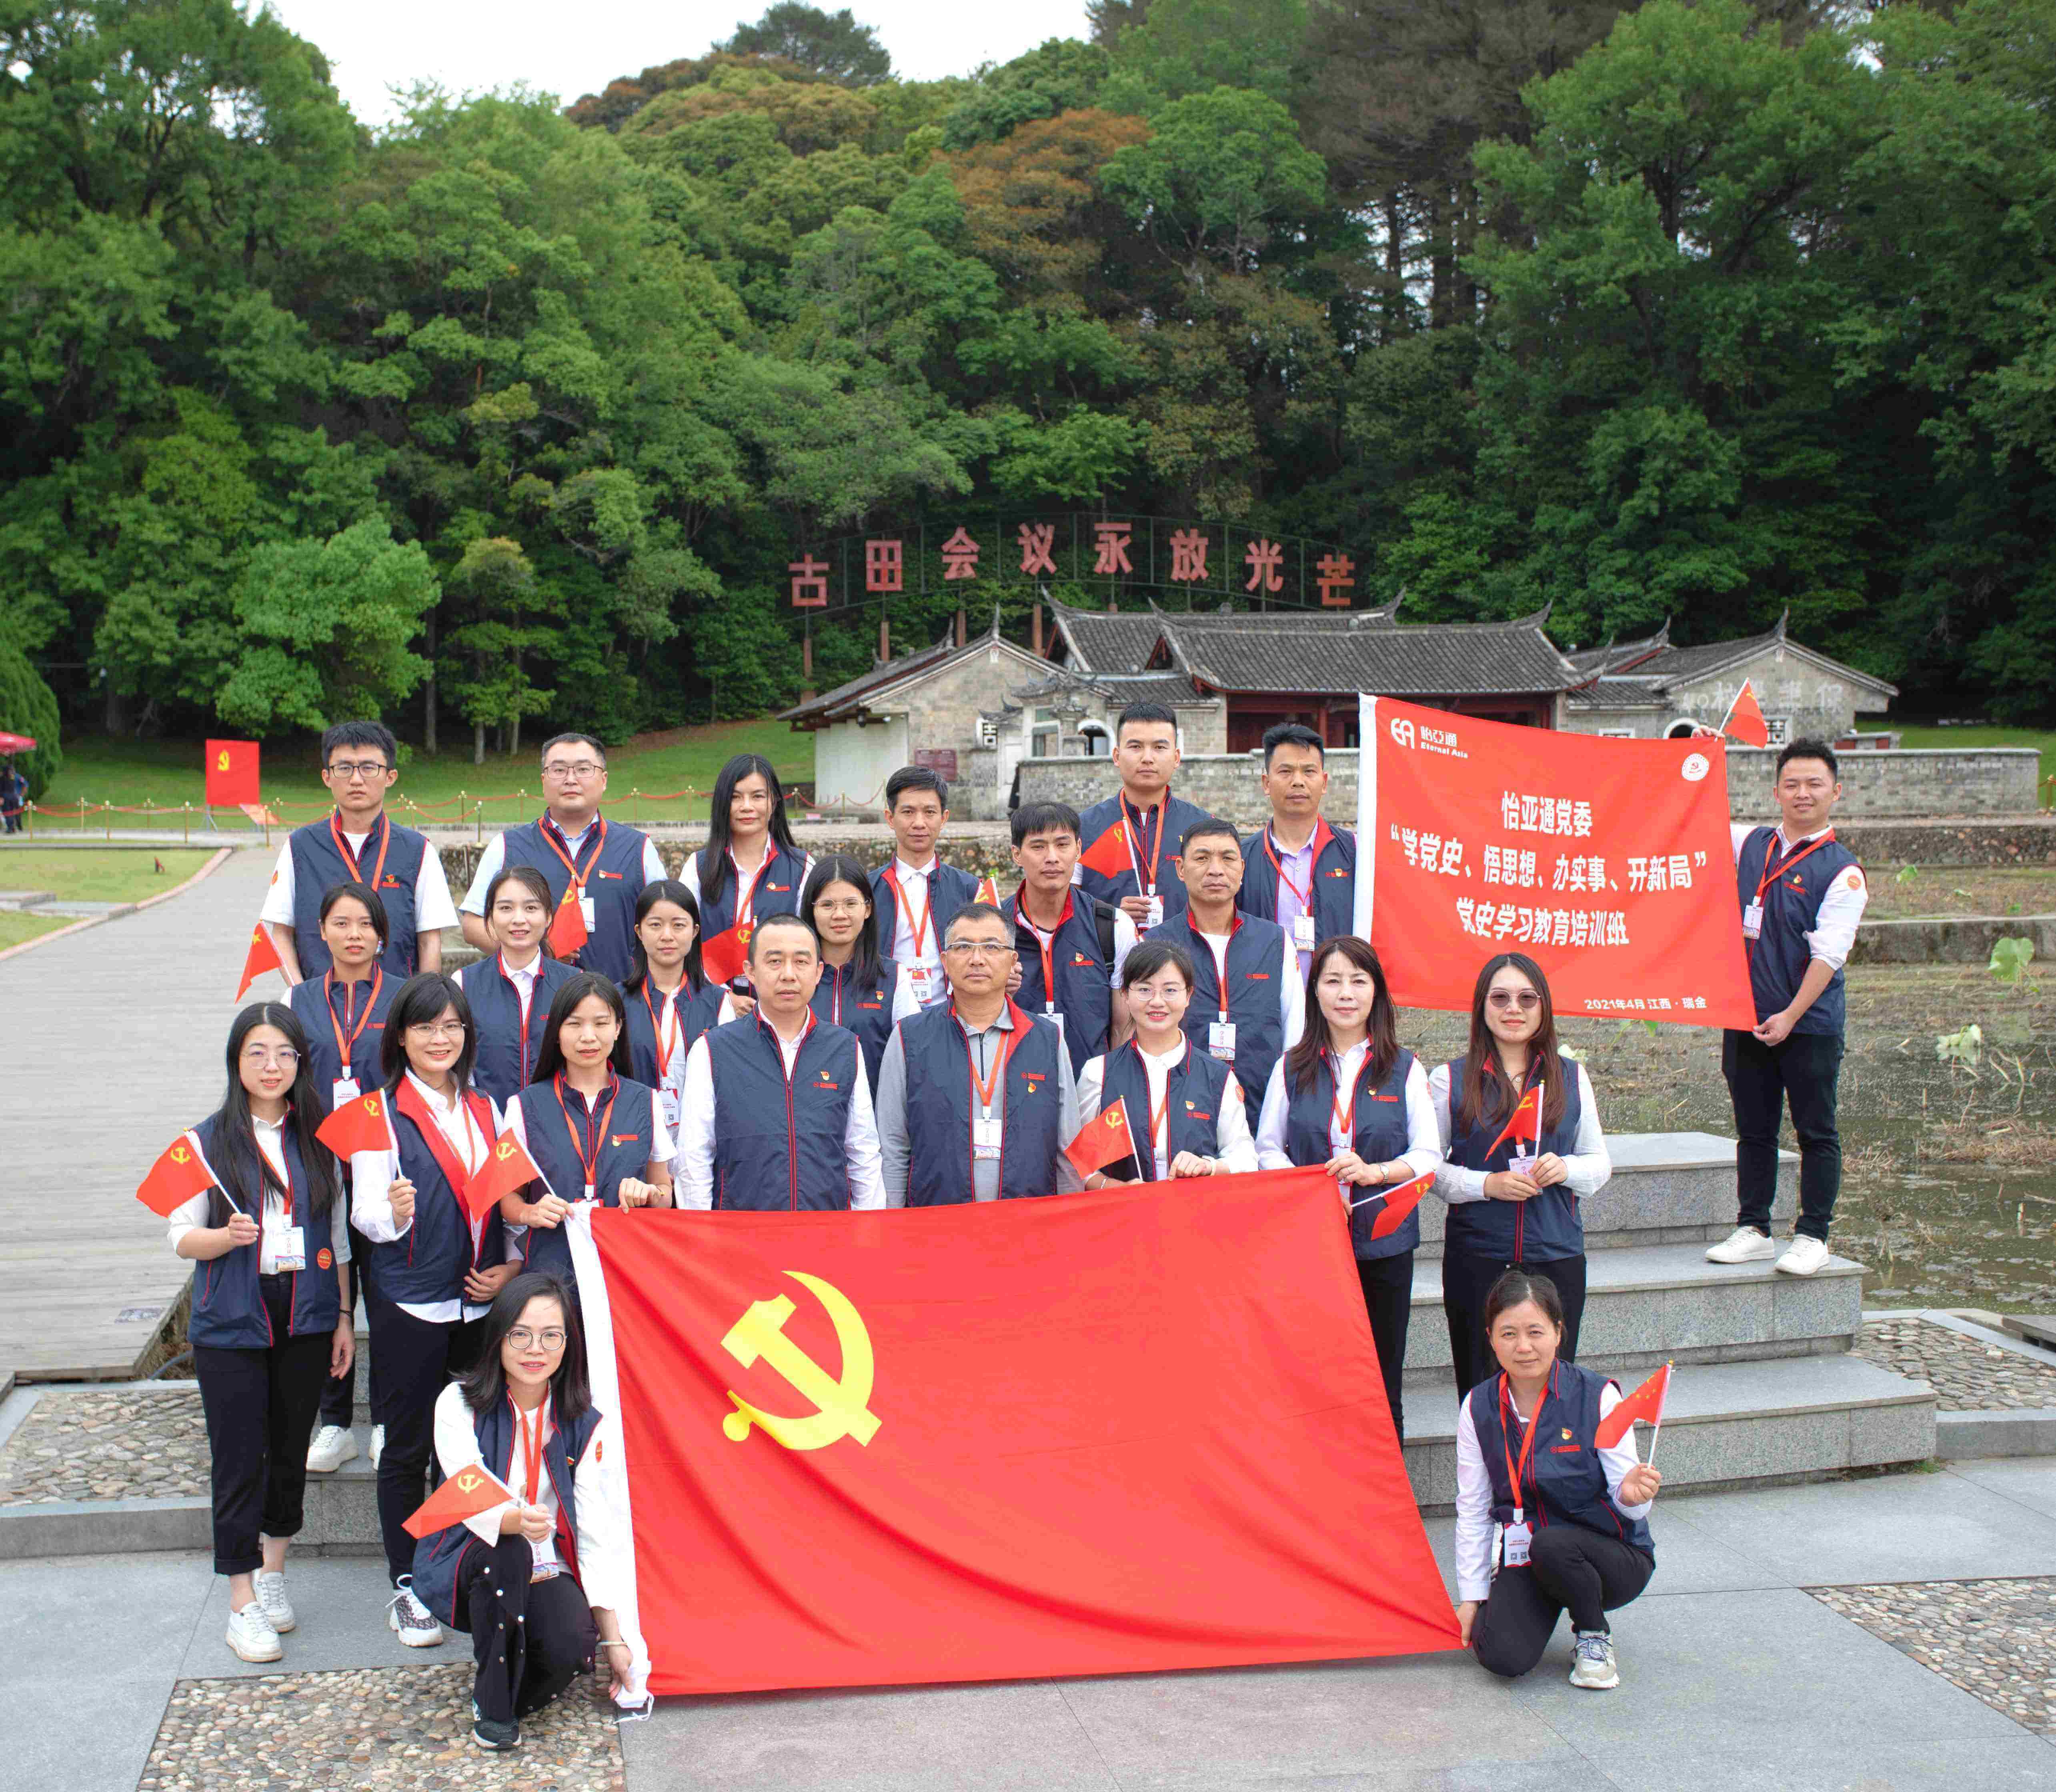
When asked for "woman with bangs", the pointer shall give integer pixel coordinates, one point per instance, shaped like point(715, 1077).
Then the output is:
point(668, 1002)
point(510, 992)
point(859, 989)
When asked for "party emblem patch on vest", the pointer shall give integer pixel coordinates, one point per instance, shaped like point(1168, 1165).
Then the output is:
point(615, 875)
point(624, 1137)
point(388, 882)
point(1336, 871)
point(828, 1083)
point(324, 1258)
point(1257, 976)
point(1078, 957)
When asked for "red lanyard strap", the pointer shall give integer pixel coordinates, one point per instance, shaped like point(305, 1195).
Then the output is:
point(553, 837)
point(1516, 1472)
point(1161, 811)
point(1045, 943)
point(746, 901)
point(983, 1091)
point(1160, 1112)
point(664, 1050)
point(1220, 959)
point(531, 1448)
point(383, 830)
point(1340, 1117)
point(1320, 839)
point(917, 925)
point(345, 1046)
point(589, 1163)
point(1774, 868)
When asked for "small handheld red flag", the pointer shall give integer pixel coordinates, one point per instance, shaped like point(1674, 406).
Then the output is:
point(507, 1169)
point(1646, 1402)
point(988, 891)
point(1525, 1123)
point(567, 929)
point(1399, 1202)
point(1104, 1140)
point(262, 956)
point(361, 1125)
point(1744, 719)
point(1108, 855)
point(232, 773)
point(724, 955)
point(466, 1494)
point(178, 1174)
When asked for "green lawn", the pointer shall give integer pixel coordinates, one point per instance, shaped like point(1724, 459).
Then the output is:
point(2041, 740)
point(120, 874)
point(164, 775)
point(16, 928)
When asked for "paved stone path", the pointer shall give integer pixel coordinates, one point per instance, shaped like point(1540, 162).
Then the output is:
point(112, 1042)
point(1967, 1376)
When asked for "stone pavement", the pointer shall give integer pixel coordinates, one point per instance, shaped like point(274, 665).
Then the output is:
point(1733, 1675)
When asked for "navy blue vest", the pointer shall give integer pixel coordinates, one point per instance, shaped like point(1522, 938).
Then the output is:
point(228, 1310)
point(1257, 967)
point(696, 1009)
point(612, 867)
point(1084, 975)
point(1334, 882)
point(1193, 1091)
point(939, 1171)
point(506, 1052)
point(1103, 819)
point(779, 881)
point(865, 1010)
point(319, 867)
point(624, 1150)
point(429, 1261)
point(1379, 1136)
point(1565, 1482)
point(439, 1557)
point(1542, 1231)
point(322, 1021)
point(780, 1145)
point(949, 889)
point(1778, 959)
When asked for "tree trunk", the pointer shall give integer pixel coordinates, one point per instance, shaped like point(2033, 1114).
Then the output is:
point(514, 733)
point(478, 742)
point(429, 698)
point(1395, 265)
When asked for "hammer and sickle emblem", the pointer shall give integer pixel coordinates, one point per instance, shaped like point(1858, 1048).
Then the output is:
point(470, 1481)
point(506, 1150)
point(842, 1408)
point(371, 1106)
point(180, 1155)
point(221, 761)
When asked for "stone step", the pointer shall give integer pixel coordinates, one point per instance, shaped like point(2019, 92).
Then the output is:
point(1667, 1188)
point(1731, 1423)
point(1652, 1304)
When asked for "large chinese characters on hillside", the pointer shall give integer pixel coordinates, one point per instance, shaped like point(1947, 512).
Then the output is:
point(1607, 862)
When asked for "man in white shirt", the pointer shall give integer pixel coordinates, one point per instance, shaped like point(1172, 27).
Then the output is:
point(915, 896)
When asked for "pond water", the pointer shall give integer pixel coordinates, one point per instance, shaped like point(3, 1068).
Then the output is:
point(1949, 1175)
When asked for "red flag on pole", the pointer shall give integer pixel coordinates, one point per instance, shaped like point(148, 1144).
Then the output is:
point(466, 1494)
point(567, 928)
point(1525, 1123)
point(232, 773)
point(1646, 1403)
point(988, 891)
point(507, 1169)
point(1399, 1202)
point(1106, 1139)
point(262, 956)
point(1109, 855)
point(361, 1125)
point(178, 1174)
point(1744, 719)
point(724, 956)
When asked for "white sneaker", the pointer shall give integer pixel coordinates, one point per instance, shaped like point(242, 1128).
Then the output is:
point(413, 1622)
point(1593, 1667)
point(331, 1447)
point(1804, 1256)
point(271, 1596)
point(377, 1444)
point(1744, 1244)
point(250, 1635)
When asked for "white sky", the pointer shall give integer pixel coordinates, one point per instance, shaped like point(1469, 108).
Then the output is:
point(474, 45)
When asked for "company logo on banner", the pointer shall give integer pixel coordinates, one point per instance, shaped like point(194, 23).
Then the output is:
point(1607, 862)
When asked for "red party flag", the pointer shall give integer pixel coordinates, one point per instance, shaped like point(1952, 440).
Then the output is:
point(508, 1169)
point(1525, 1123)
point(262, 956)
point(567, 927)
point(1103, 1141)
point(1744, 719)
point(361, 1125)
point(232, 773)
point(988, 891)
point(1646, 1402)
point(178, 1174)
point(1108, 855)
point(1399, 1202)
point(466, 1494)
point(724, 956)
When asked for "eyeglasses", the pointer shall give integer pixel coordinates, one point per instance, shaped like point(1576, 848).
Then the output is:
point(353, 769)
point(580, 769)
point(552, 1338)
point(978, 948)
point(285, 1058)
point(1522, 999)
point(438, 1029)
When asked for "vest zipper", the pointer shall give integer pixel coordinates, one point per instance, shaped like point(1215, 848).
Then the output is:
point(791, 1131)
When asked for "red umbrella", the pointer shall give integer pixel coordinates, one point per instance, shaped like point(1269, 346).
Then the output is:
point(16, 743)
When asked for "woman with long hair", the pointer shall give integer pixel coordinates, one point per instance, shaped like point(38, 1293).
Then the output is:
point(1349, 1097)
point(1513, 1201)
point(538, 1579)
point(1187, 1103)
point(595, 1133)
point(750, 866)
point(268, 1244)
point(510, 990)
point(669, 1002)
point(859, 989)
point(434, 1268)
point(1542, 1531)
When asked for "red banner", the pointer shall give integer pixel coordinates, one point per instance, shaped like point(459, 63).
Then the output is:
point(1101, 1434)
point(1606, 862)
point(232, 773)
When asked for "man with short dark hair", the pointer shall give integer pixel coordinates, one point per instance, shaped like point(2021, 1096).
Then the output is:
point(914, 895)
point(1249, 1001)
point(601, 867)
point(1070, 944)
point(1131, 838)
point(777, 1114)
point(1802, 896)
point(1299, 871)
point(975, 1098)
point(358, 843)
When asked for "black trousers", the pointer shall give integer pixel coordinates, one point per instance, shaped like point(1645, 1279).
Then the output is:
point(1762, 1080)
point(1466, 1280)
point(1388, 1297)
point(338, 1401)
point(531, 1638)
point(1569, 1568)
point(259, 1405)
point(417, 1357)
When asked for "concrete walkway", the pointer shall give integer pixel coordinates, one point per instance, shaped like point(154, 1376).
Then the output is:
point(112, 1042)
point(1732, 1676)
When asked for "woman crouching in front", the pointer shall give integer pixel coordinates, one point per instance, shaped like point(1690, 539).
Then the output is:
point(535, 1579)
point(1547, 1521)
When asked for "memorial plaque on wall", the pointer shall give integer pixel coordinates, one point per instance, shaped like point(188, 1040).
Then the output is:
point(941, 760)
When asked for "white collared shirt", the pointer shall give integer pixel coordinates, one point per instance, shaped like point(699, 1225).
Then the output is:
point(1236, 1152)
point(433, 909)
point(743, 877)
point(495, 855)
point(271, 1141)
point(1423, 1153)
point(1834, 932)
point(1587, 1166)
point(917, 897)
point(514, 1124)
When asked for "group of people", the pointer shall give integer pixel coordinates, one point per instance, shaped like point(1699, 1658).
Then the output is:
point(898, 1038)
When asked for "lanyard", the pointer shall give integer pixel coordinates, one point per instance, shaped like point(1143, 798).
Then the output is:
point(345, 1046)
point(1045, 942)
point(532, 1447)
point(1341, 1118)
point(917, 925)
point(1219, 959)
point(1160, 1112)
point(984, 1091)
point(1515, 1471)
point(599, 1118)
point(1161, 811)
point(745, 900)
point(385, 833)
point(523, 998)
point(553, 837)
point(1774, 868)
point(667, 1043)
point(1322, 834)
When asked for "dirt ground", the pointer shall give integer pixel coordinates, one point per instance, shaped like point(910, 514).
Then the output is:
point(1916, 892)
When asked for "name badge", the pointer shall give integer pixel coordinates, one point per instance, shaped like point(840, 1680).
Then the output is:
point(1155, 916)
point(985, 1137)
point(1057, 1015)
point(1220, 1039)
point(922, 979)
point(1303, 933)
point(286, 1245)
point(343, 1089)
point(1522, 1163)
point(1514, 1541)
point(590, 1191)
point(1752, 921)
point(588, 914)
point(668, 1103)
